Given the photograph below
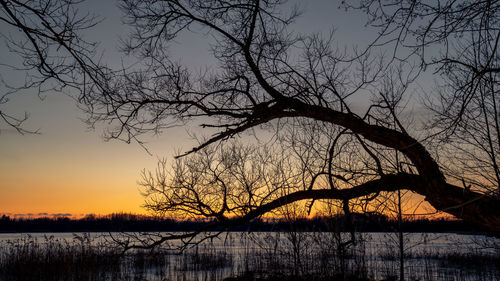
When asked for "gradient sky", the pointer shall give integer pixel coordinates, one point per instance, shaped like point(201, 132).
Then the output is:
point(70, 169)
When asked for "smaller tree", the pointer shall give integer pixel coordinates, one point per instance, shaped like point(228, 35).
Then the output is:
point(298, 238)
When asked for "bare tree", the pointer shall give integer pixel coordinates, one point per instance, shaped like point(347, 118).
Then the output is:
point(459, 40)
point(297, 238)
point(300, 88)
point(268, 74)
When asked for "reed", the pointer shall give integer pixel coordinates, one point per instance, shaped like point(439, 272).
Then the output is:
point(53, 259)
point(267, 256)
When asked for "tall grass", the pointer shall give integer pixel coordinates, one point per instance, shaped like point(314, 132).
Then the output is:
point(29, 258)
point(264, 256)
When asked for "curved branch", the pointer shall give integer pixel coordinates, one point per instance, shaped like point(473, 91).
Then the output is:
point(387, 183)
point(484, 208)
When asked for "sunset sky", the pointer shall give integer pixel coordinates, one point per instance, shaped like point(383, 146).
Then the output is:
point(69, 169)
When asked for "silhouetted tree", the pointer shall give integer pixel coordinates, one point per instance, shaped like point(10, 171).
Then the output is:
point(297, 85)
point(459, 40)
point(300, 88)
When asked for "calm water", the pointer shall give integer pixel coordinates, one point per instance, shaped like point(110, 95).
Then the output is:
point(428, 256)
point(377, 242)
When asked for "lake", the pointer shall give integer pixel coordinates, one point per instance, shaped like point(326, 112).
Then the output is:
point(427, 256)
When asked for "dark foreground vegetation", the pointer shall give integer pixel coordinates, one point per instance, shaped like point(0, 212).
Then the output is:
point(130, 222)
point(239, 256)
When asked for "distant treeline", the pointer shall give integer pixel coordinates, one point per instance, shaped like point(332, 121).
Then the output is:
point(132, 223)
